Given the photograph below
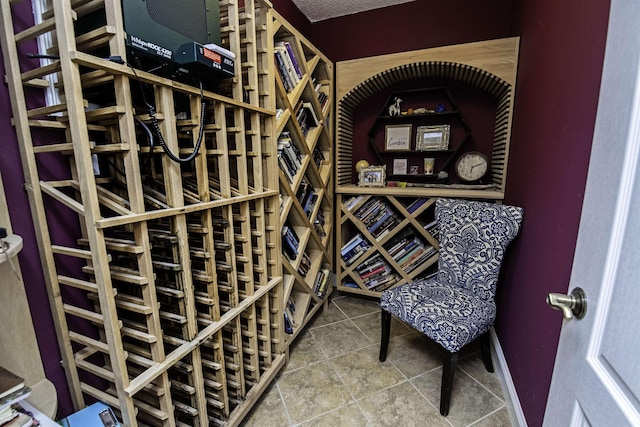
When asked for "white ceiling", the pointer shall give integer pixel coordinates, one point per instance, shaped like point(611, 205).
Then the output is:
point(319, 10)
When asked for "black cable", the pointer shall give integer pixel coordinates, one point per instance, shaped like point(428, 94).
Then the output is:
point(158, 132)
point(163, 144)
point(147, 158)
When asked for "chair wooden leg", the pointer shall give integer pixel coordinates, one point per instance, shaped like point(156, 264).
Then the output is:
point(386, 331)
point(450, 361)
point(485, 348)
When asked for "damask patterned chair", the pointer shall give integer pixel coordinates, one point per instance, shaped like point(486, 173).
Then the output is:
point(456, 306)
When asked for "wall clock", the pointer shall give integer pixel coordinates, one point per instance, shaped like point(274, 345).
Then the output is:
point(472, 166)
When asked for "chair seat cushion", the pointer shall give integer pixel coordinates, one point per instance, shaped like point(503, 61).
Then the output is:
point(451, 316)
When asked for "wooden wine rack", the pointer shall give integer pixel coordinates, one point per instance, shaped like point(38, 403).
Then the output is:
point(164, 278)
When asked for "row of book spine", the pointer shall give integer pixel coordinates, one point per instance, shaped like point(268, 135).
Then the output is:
point(319, 224)
point(306, 116)
point(305, 264)
point(307, 197)
point(322, 282)
point(376, 273)
point(287, 65)
point(354, 249)
point(323, 98)
point(378, 217)
point(289, 156)
point(318, 156)
point(352, 201)
point(290, 242)
point(410, 252)
point(289, 315)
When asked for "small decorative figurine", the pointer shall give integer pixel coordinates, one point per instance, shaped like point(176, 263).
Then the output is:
point(361, 164)
point(394, 109)
point(440, 108)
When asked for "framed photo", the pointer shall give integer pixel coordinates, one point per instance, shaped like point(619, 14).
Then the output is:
point(432, 137)
point(397, 138)
point(373, 176)
point(400, 166)
point(429, 165)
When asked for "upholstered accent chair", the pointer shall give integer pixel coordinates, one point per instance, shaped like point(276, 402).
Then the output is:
point(456, 305)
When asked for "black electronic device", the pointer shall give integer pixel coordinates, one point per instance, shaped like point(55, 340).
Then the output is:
point(177, 38)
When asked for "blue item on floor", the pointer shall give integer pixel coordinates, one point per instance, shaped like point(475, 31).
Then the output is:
point(96, 415)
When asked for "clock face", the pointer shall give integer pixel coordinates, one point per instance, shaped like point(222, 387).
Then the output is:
point(472, 166)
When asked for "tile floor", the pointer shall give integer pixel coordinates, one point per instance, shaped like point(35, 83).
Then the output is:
point(334, 378)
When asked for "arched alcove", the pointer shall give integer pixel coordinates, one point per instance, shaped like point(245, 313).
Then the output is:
point(489, 66)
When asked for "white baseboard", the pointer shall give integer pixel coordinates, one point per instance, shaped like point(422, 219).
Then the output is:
point(511, 396)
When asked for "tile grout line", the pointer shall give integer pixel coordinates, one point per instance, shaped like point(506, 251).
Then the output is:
point(501, 399)
point(284, 405)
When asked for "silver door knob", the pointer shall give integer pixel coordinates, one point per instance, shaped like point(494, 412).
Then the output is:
point(574, 305)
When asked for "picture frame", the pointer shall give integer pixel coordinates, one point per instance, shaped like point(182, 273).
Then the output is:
point(400, 166)
point(397, 137)
point(372, 176)
point(432, 138)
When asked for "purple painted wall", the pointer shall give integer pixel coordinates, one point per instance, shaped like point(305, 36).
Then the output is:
point(22, 224)
point(292, 14)
point(561, 56)
point(410, 26)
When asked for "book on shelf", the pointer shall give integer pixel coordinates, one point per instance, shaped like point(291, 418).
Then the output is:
point(400, 248)
point(351, 285)
point(285, 170)
point(370, 207)
point(379, 220)
point(352, 201)
point(351, 244)
point(14, 397)
point(310, 204)
point(9, 382)
point(289, 156)
point(288, 323)
point(322, 282)
point(377, 270)
point(426, 254)
point(410, 256)
point(13, 418)
point(433, 229)
point(287, 68)
point(307, 196)
point(318, 224)
point(294, 59)
point(289, 311)
point(323, 98)
point(416, 204)
point(381, 280)
point(354, 249)
point(305, 264)
point(282, 71)
point(311, 113)
point(292, 56)
point(356, 253)
point(370, 263)
point(290, 242)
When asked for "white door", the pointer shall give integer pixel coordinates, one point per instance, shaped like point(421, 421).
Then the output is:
point(596, 379)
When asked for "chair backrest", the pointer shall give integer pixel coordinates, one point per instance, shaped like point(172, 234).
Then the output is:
point(473, 238)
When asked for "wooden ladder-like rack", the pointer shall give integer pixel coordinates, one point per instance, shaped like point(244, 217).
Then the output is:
point(164, 278)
